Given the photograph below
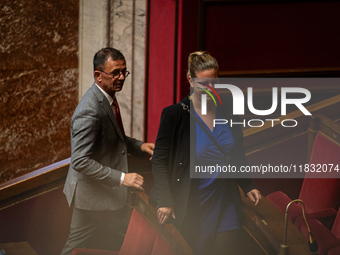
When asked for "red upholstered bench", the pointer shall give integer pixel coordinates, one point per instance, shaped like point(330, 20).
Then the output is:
point(334, 251)
point(328, 240)
point(320, 196)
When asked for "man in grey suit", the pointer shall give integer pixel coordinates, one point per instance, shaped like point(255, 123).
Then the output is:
point(98, 178)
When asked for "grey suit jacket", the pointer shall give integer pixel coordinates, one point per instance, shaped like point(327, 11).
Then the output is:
point(99, 155)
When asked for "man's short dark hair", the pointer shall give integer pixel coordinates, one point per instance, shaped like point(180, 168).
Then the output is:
point(103, 55)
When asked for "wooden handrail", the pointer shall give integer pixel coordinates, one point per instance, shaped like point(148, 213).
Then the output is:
point(56, 172)
point(35, 179)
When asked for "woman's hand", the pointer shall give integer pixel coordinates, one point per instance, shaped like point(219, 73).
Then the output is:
point(255, 196)
point(163, 213)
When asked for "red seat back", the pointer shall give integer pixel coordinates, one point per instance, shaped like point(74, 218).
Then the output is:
point(318, 194)
point(336, 226)
point(141, 238)
point(160, 247)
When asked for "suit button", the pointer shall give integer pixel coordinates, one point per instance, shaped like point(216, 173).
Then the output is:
point(123, 152)
point(178, 180)
point(180, 164)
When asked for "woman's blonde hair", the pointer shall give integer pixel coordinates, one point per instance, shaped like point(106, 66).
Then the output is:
point(200, 61)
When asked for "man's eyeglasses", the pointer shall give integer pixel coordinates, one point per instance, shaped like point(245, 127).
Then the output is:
point(118, 74)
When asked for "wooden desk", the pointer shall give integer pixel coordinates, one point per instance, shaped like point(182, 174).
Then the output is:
point(19, 248)
point(265, 224)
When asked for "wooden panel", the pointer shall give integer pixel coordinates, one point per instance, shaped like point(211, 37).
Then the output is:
point(18, 248)
point(266, 224)
point(256, 138)
point(325, 126)
point(271, 35)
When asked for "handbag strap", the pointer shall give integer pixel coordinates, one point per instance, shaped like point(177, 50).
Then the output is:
point(192, 114)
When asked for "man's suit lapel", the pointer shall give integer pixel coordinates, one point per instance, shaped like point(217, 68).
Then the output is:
point(107, 107)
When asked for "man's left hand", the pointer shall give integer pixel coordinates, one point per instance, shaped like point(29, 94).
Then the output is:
point(148, 148)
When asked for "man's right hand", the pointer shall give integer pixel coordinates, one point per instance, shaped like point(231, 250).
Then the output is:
point(133, 180)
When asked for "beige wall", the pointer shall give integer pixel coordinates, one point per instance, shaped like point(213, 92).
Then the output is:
point(118, 24)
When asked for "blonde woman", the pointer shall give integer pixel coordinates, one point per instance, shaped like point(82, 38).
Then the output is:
point(207, 211)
